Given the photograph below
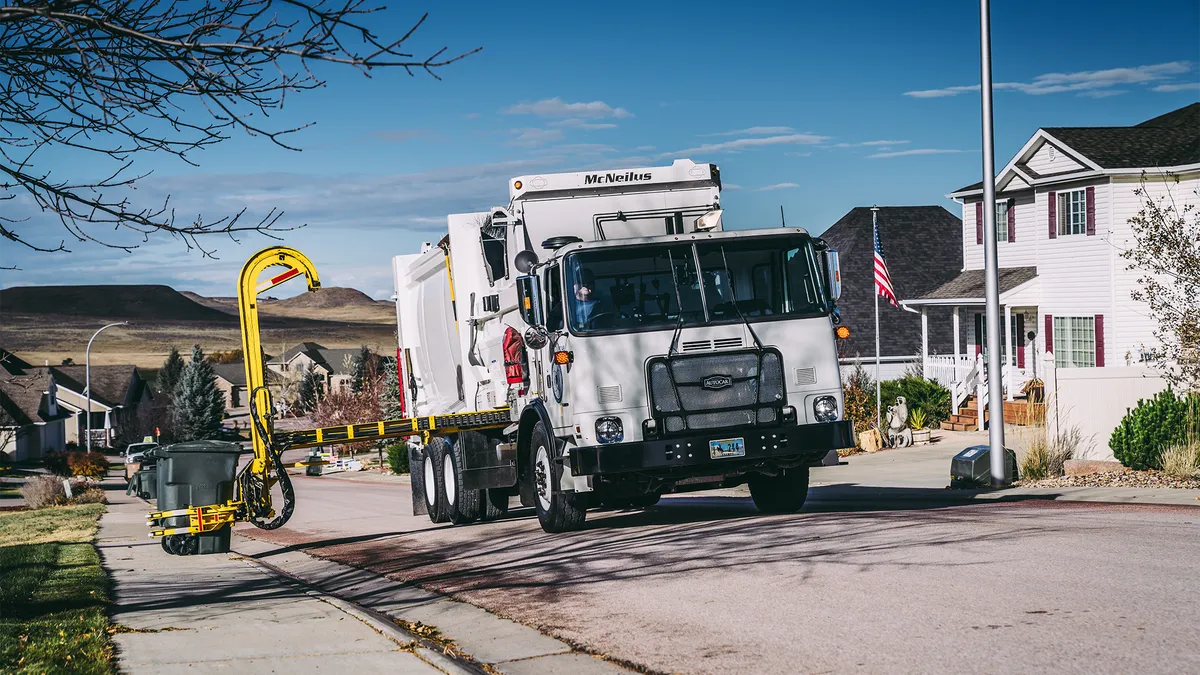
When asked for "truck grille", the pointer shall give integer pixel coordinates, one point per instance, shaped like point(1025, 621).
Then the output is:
point(712, 391)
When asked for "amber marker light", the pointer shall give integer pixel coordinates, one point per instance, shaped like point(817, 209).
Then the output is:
point(518, 185)
point(843, 332)
point(562, 358)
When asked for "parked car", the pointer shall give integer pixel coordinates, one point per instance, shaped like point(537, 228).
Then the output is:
point(135, 454)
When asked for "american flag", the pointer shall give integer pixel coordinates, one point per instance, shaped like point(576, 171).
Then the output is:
point(883, 280)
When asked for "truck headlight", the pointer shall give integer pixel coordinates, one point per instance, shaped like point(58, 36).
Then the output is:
point(609, 430)
point(825, 409)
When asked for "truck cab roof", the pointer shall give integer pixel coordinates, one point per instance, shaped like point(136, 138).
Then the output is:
point(669, 238)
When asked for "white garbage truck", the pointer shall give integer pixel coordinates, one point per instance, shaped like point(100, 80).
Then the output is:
point(628, 344)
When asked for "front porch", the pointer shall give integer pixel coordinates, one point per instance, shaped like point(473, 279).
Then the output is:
point(965, 372)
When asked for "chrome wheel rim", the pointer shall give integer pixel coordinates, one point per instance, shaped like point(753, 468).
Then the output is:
point(541, 477)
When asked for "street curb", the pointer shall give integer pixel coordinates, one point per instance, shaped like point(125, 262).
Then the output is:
point(425, 649)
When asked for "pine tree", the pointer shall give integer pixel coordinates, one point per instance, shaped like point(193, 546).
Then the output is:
point(358, 373)
point(168, 375)
point(199, 405)
point(389, 395)
point(310, 389)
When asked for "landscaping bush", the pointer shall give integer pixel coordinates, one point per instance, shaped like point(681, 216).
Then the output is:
point(919, 394)
point(42, 491)
point(88, 464)
point(858, 399)
point(397, 457)
point(90, 495)
point(56, 462)
point(1181, 460)
point(1153, 426)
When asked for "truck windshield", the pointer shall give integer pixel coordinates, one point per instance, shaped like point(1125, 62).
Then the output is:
point(659, 286)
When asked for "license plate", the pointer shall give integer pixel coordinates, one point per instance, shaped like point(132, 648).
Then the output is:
point(729, 447)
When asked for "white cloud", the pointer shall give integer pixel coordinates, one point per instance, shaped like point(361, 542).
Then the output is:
point(471, 116)
point(530, 137)
point(577, 149)
point(1082, 81)
point(556, 107)
point(730, 186)
point(577, 123)
point(1102, 93)
point(918, 151)
point(755, 131)
point(643, 148)
point(777, 186)
point(744, 143)
point(1182, 86)
point(867, 144)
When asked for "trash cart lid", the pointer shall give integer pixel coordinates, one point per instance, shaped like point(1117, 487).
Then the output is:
point(200, 446)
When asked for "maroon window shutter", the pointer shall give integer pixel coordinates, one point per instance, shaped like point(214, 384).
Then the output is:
point(1099, 339)
point(1053, 214)
point(1012, 220)
point(1049, 333)
point(1091, 211)
point(1020, 341)
point(978, 334)
point(979, 223)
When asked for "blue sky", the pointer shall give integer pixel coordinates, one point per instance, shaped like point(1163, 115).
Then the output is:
point(815, 107)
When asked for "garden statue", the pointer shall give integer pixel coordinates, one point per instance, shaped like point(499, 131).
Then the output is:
point(898, 433)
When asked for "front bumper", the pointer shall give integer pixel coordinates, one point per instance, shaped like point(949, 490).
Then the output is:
point(807, 441)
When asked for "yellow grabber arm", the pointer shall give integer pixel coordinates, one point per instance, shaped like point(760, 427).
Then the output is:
point(255, 483)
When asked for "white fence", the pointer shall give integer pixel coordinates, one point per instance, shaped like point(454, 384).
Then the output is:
point(1095, 400)
point(890, 367)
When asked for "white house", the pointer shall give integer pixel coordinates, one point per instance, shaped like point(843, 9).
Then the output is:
point(1062, 220)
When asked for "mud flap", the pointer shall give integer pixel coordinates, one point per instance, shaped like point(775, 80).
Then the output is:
point(416, 471)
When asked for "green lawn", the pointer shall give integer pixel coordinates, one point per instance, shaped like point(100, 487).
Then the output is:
point(54, 595)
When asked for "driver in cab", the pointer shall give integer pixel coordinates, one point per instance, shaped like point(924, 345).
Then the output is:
point(587, 305)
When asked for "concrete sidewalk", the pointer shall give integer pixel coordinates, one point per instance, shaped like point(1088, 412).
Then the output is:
point(263, 609)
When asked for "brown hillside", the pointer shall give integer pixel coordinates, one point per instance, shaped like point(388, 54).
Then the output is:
point(143, 302)
point(327, 298)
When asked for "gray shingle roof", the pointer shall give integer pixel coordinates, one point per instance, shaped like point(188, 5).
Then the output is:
point(922, 246)
point(22, 398)
point(111, 385)
point(233, 373)
point(1172, 139)
point(970, 284)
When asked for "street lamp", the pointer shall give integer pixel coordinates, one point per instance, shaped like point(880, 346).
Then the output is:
point(88, 374)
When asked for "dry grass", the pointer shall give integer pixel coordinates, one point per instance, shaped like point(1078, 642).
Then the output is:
point(1040, 455)
point(43, 491)
point(1182, 460)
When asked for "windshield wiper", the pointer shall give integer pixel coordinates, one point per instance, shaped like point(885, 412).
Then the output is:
point(733, 297)
point(679, 305)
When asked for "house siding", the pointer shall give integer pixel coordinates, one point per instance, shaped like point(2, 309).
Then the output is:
point(1062, 163)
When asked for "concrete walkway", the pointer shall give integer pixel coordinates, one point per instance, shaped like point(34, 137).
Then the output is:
point(262, 609)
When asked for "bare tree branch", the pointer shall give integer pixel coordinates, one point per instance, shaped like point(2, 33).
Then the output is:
point(125, 78)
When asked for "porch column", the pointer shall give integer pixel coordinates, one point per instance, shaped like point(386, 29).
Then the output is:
point(924, 343)
point(954, 378)
point(1010, 364)
point(107, 429)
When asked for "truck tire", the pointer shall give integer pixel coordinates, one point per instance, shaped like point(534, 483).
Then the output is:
point(557, 511)
point(462, 505)
point(494, 503)
point(435, 452)
point(784, 493)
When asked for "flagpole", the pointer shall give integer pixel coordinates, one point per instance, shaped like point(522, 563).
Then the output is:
point(878, 378)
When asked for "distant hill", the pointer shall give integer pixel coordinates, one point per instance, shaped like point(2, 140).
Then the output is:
point(328, 298)
point(145, 302)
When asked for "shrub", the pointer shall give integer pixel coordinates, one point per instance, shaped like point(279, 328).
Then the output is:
point(90, 464)
point(1181, 460)
point(919, 394)
point(42, 491)
point(1154, 425)
point(917, 419)
point(1047, 458)
point(88, 496)
point(397, 457)
point(857, 397)
point(56, 462)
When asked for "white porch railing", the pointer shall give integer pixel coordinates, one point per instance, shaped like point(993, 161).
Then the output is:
point(966, 375)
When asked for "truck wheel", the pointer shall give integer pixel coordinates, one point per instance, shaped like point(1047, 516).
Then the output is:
point(784, 493)
point(494, 504)
point(434, 499)
point(557, 511)
point(462, 505)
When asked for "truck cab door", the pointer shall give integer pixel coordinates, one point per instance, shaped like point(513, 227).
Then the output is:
point(557, 384)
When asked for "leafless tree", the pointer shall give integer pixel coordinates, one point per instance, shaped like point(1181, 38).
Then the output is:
point(120, 79)
point(1167, 255)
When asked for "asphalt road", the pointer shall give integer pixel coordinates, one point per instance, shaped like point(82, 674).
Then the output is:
point(858, 582)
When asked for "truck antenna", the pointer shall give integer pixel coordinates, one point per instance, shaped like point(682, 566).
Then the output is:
point(782, 222)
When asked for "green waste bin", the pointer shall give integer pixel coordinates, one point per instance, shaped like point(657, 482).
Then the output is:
point(196, 473)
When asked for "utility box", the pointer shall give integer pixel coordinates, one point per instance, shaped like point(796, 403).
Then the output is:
point(972, 468)
point(196, 473)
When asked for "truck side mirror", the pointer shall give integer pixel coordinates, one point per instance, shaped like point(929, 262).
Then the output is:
point(529, 300)
point(833, 270)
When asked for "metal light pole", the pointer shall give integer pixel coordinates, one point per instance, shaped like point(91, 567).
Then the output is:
point(87, 369)
point(991, 265)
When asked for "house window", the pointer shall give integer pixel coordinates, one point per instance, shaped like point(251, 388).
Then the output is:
point(1002, 221)
point(1072, 212)
point(1074, 341)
